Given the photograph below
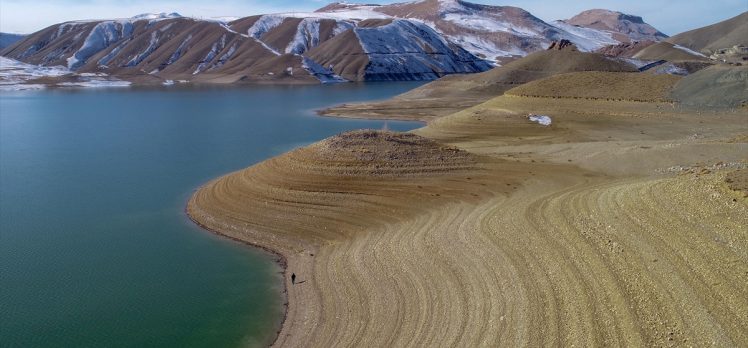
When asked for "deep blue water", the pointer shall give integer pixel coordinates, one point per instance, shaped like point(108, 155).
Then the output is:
point(95, 248)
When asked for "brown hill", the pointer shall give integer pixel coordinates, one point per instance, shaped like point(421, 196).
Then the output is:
point(453, 93)
point(600, 85)
point(257, 48)
point(625, 50)
point(418, 40)
point(501, 33)
point(718, 86)
point(709, 39)
point(625, 27)
point(670, 52)
point(367, 176)
point(345, 54)
point(483, 29)
point(535, 66)
point(168, 49)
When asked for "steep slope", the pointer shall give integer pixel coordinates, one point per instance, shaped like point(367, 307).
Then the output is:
point(418, 53)
point(491, 32)
point(268, 47)
point(292, 33)
point(146, 49)
point(418, 40)
point(624, 27)
point(709, 39)
point(357, 43)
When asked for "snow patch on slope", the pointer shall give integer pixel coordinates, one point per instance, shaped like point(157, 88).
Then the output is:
point(484, 48)
point(225, 57)
point(265, 24)
point(586, 39)
point(152, 45)
point(308, 34)
point(156, 16)
point(414, 50)
point(62, 29)
point(214, 50)
point(476, 21)
point(357, 13)
point(14, 76)
point(689, 51)
point(179, 51)
point(104, 62)
point(323, 74)
point(101, 36)
point(13, 71)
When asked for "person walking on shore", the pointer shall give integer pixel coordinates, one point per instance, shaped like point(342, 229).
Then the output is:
point(293, 278)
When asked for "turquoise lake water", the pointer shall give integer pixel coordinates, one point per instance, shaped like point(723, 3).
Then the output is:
point(95, 248)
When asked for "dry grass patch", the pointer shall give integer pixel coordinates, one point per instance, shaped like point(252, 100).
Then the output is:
point(601, 85)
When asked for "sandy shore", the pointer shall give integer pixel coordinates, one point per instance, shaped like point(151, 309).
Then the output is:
point(621, 223)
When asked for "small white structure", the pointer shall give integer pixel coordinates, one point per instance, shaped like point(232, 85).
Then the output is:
point(540, 119)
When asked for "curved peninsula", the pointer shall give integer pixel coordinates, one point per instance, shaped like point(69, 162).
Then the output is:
point(620, 222)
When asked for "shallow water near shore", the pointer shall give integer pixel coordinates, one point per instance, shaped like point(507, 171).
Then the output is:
point(95, 248)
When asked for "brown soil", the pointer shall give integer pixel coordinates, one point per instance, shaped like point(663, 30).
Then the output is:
point(738, 181)
point(303, 193)
point(666, 51)
point(627, 50)
point(451, 94)
point(601, 85)
point(484, 228)
point(717, 36)
point(719, 86)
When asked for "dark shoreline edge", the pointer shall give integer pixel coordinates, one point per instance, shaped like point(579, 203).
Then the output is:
point(279, 259)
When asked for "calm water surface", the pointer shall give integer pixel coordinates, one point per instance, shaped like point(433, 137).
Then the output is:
point(95, 249)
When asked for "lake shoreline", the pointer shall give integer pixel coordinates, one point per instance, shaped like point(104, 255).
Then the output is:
point(279, 258)
point(381, 256)
point(116, 229)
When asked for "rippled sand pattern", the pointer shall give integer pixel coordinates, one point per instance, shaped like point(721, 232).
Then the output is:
point(420, 243)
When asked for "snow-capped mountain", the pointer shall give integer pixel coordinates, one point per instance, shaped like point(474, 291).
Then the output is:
point(488, 31)
point(623, 27)
point(417, 40)
point(498, 32)
point(369, 52)
point(151, 48)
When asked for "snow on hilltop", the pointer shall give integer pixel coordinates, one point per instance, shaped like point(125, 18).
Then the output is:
point(418, 41)
point(151, 16)
point(423, 39)
point(495, 31)
point(623, 27)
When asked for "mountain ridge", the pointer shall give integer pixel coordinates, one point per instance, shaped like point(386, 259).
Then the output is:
point(422, 40)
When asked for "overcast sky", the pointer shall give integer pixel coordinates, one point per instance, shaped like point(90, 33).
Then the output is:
point(669, 16)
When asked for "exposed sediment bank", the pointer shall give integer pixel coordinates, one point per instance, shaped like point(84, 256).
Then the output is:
point(621, 223)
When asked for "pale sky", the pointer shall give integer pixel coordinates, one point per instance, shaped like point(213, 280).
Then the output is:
point(669, 16)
